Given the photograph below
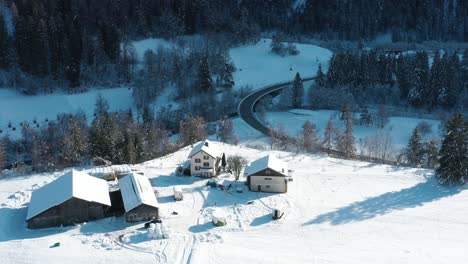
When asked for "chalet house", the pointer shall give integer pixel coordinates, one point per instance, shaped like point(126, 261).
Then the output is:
point(205, 159)
point(73, 198)
point(267, 174)
point(138, 198)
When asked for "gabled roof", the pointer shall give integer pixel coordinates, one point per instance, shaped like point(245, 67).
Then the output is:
point(267, 162)
point(75, 184)
point(136, 189)
point(208, 147)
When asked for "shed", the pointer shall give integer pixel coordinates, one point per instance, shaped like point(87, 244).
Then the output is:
point(138, 197)
point(73, 198)
point(267, 174)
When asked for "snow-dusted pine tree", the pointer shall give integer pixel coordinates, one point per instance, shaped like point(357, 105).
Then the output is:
point(453, 159)
point(414, 150)
point(297, 94)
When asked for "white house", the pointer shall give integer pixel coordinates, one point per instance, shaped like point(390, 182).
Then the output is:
point(204, 159)
point(267, 174)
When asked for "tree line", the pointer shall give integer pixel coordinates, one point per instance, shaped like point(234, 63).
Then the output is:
point(420, 80)
point(118, 137)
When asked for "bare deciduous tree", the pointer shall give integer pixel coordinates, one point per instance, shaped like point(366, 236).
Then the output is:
point(236, 164)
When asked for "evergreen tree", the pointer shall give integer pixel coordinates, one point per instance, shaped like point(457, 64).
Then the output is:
point(453, 154)
point(110, 41)
point(75, 145)
point(436, 83)
point(365, 117)
point(3, 156)
point(419, 79)
point(227, 80)
point(297, 92)
point(101, 107)
point(320, 78)
point(130, 154)
point(431, 154)
point(5, 46)
point(205, 83)
point(414, 149)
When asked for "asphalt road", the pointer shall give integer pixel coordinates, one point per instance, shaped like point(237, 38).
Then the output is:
point(246, 106)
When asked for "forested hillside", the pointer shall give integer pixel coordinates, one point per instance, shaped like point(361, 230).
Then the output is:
point(68, 43)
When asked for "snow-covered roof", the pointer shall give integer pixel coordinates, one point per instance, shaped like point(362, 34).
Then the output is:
point(267, 162)
point(105, 170)
point(74, 183)
point(136, 189)
point(208, 147)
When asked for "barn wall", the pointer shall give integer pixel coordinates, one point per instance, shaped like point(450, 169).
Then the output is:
point(142, 213)
point(269, 181)
point(70, 212)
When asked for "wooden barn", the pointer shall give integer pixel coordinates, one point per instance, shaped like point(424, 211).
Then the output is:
point(73, 198)
point(267, 174)
point(138, 198)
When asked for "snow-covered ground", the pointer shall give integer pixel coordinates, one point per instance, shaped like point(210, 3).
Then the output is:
point(336, 211)
point(399, 128)
point(258, 67)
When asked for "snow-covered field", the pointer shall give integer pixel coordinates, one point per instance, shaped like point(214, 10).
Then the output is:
point(399, 128)
point(258, 67)
point(336, 211)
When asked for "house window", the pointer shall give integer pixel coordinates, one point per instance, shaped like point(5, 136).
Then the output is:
point(206, 164)
point(267, 186)
point(197, 168)
point(267, 171)
point(206, 157)
point(197, 160)
point(268, 179)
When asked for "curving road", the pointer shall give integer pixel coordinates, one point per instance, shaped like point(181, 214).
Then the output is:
point(246, 106)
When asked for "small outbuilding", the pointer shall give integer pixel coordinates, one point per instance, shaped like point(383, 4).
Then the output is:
point(267, 174)
point(138, 197)
point(75, 197)
point(219, 218)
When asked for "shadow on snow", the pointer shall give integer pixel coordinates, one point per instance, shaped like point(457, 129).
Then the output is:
point(412, 197)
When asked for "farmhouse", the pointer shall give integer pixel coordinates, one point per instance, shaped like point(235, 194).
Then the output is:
point(267, 174)
point(73, 198)
point(138, 198)
point(204, 159)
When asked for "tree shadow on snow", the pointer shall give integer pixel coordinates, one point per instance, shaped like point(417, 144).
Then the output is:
point(412, 197)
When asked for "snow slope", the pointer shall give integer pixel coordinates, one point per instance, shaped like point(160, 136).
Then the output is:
point(258, 67)
point(336, 211)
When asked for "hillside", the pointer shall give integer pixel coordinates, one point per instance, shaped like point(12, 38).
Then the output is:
point(336, 211)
